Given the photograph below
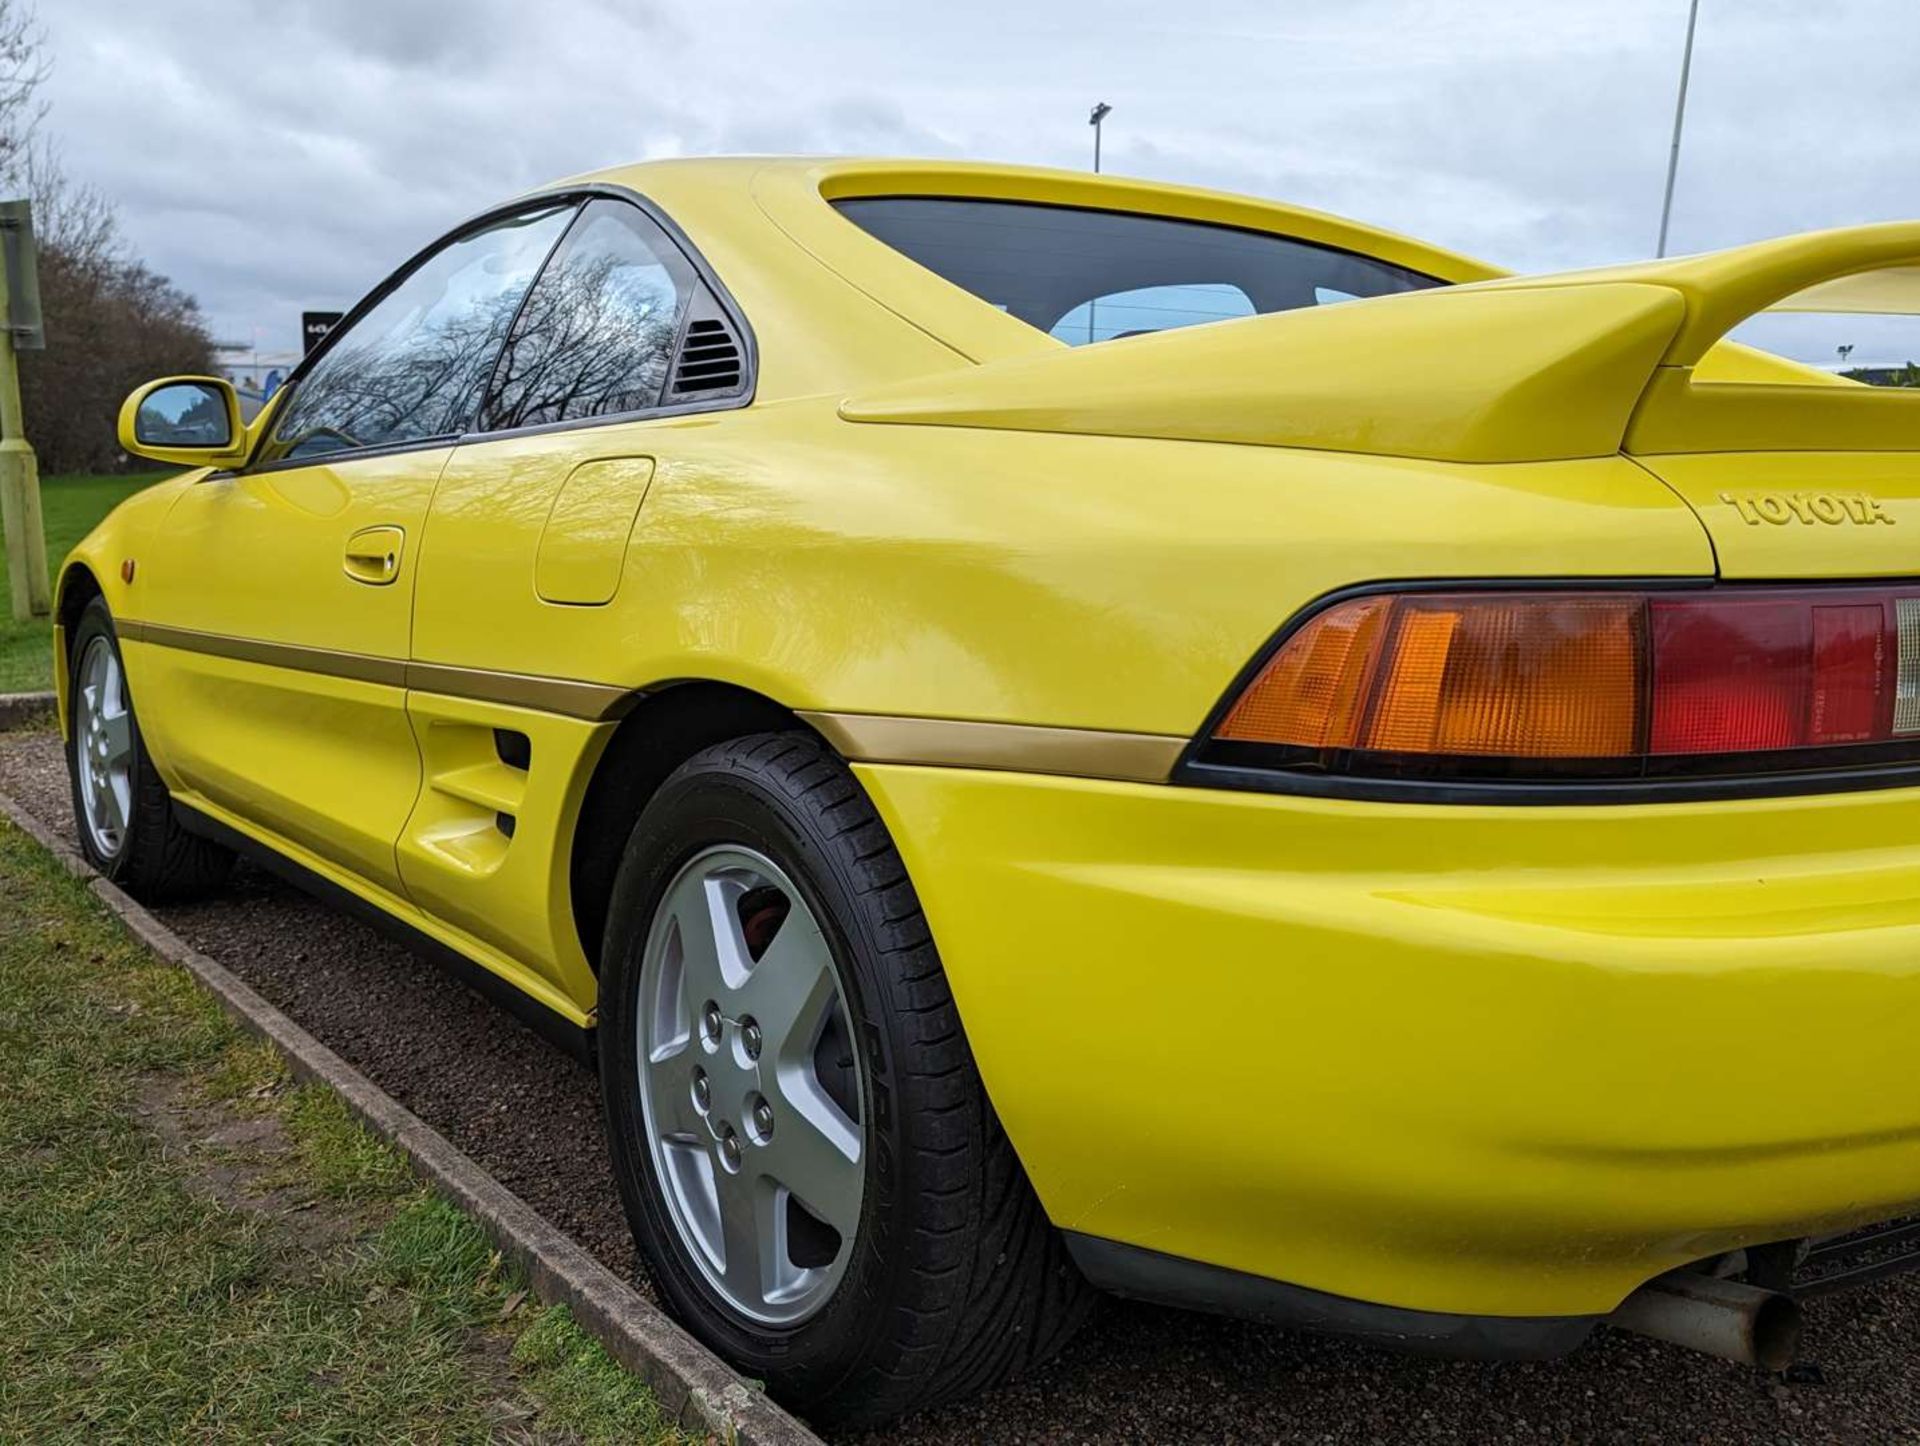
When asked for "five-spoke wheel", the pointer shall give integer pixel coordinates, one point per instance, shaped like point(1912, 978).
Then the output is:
point(126, 819)
point(749, 1085)
point(815, 1178)
point(103, 746)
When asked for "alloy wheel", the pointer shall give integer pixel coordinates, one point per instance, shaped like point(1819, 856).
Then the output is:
point(103, 747)
point(750, 1086)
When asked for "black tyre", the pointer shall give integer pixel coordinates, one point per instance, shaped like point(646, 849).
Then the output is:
point(848, 1224)
point(121, 809)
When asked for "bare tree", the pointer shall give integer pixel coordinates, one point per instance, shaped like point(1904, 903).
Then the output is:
point(70, 218)
point(111, 323)
point(23, 69)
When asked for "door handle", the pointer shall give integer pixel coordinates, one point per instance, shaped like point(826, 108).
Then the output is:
point(373, 555)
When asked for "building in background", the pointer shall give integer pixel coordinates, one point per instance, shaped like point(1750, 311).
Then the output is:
point(255, 374)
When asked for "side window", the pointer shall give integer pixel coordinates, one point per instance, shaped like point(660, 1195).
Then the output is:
point(597, 333)
point(413, 366)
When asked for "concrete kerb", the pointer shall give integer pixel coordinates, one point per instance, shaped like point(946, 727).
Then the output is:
point(17, 710)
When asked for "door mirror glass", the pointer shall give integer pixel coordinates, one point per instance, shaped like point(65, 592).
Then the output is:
point(194, 421)
point(184, 414)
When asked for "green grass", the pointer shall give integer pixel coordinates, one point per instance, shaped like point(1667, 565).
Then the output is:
point(193, 1249)
point(69, 506)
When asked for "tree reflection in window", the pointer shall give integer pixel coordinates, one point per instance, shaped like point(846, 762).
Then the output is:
point(597, 332)
point(413, 366)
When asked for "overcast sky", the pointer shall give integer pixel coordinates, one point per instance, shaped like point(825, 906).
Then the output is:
point(277, 155)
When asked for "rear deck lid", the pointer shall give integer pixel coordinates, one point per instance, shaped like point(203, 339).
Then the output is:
point(1811, 514)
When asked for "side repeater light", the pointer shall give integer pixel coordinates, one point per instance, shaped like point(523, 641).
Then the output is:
point(1602, 684)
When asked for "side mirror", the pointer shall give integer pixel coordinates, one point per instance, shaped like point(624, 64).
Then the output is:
point(191, 420)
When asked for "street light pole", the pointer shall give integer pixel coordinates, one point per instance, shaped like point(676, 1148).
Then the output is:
point(1101, 111)
point(1679, 118)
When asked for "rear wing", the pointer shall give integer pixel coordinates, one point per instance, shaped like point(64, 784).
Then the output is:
point(1852, 269)
point(1543, 368)
point(1859, 269)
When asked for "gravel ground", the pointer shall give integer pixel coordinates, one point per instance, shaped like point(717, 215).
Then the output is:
point(531, 1116)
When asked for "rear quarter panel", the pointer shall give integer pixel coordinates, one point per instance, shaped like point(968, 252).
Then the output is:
point(1075, 581)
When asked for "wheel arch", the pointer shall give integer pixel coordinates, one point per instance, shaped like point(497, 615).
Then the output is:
point(664, 728)
point(78, 587)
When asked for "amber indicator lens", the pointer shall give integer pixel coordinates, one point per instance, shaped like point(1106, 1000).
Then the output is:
point(1606, 676)
point(1310, 693)
point(1515, 678)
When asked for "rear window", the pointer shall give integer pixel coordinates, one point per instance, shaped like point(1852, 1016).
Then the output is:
point(1086, 276)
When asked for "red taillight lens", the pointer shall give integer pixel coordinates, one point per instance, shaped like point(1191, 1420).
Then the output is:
point(1851, 702)
point(1606, 684)
point(1729, 675)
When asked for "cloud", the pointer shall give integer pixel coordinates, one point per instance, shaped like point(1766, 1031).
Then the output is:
point(274, 158)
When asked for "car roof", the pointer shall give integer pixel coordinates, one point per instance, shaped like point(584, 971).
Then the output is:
point(831, 178)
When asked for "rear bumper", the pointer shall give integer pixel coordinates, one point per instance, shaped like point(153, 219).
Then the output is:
point(1141, 1274)
point(1460, 1060)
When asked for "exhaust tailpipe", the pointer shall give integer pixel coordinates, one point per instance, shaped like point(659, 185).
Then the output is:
point(1725, 1318)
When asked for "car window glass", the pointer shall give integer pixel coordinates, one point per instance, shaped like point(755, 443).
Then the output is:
point(1051, 266)
point(413, 366)
point(597, 332)
point(1150, 308)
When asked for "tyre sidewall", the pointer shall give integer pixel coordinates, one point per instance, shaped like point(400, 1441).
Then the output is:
point(696, 810)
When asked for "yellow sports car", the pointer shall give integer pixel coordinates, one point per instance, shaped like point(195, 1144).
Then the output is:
point(1062, 732)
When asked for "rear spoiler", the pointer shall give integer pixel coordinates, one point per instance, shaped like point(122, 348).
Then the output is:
point(1861, 269)
point(1543, 368)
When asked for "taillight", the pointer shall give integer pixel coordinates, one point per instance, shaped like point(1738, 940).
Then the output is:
point(1608, 685)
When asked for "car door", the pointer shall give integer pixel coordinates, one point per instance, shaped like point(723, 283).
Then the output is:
point(277, 601)
point(623, 335)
